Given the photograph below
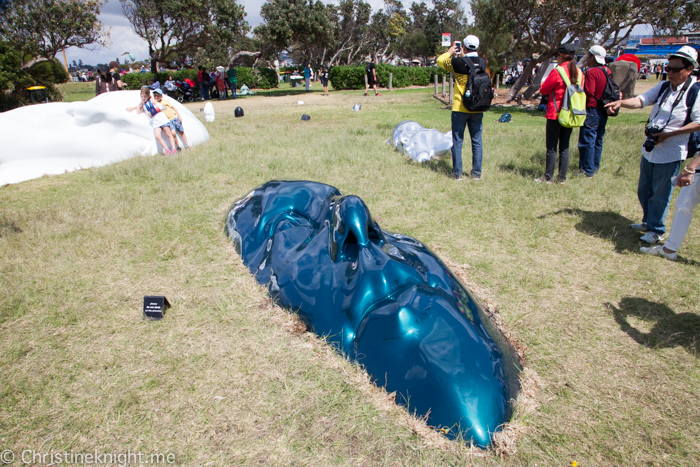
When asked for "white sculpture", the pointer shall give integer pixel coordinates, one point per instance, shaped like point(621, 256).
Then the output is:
point(48, 139)
point(209, 114)
point(418, 143)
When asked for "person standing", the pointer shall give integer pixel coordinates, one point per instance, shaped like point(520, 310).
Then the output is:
point(590, 137)
point(323, 75)
point(232, 75)
point(371, 71)
point(666, 145)
point(688, 198)
point(200, 81)
point(462, 117)
point(556, 134)
point(307, 76)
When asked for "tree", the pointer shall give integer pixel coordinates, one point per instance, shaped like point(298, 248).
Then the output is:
point(536, 28)
point(42, 28)
point(181, 27)
point(297, 25)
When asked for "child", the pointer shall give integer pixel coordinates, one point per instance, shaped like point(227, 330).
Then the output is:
point(323, 74)
point(155, 114)
point(175, 119)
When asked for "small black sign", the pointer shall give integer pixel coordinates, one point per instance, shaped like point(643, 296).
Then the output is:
point(154, 307)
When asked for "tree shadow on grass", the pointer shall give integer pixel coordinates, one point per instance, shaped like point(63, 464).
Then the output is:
point(607, 225)
point(532, 168)
point(670, 329)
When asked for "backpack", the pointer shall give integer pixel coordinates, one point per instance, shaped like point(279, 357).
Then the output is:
point(368, 68)
point(479, 93)
point(694, 138)
point(611, 93)
point(573, 106)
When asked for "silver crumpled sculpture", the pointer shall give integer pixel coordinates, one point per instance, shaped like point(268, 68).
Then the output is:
point(418, 143)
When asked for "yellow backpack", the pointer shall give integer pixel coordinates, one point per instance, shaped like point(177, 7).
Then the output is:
point(573, 107)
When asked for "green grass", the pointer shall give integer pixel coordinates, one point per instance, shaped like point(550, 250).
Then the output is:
point(613, 334)
point(76, 91)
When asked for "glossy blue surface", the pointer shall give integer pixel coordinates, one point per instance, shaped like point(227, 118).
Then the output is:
point(384, 299)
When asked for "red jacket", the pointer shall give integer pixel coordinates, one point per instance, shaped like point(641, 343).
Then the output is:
point(555, 84)
point(595, 85)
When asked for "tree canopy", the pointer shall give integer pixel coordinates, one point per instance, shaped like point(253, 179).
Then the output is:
point(181, 27)
point(534, 29)
point(45, 27)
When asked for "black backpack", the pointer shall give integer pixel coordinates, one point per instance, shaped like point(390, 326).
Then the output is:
point(690, 97)
point(368, 68)
point(479, 93)
point(611, 93)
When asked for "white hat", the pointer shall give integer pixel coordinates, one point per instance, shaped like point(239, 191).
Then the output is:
point(598, 53)
point(688, 53)
point(471, 42)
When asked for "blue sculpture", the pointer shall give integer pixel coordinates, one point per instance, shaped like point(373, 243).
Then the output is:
point(384, 299)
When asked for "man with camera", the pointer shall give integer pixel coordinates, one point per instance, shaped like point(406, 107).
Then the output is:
point(667, 131)
point(463, 117)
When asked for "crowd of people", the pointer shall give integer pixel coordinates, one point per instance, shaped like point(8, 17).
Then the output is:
point(671, 132)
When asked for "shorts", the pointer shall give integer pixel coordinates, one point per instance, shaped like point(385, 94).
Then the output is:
point(370, 80)
point(324, 82)
point(176, 125)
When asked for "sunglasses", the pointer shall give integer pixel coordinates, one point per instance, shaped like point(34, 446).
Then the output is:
point(674, 69)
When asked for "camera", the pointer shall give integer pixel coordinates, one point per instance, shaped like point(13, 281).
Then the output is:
point(650, 142)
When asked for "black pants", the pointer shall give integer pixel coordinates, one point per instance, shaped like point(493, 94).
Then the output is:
point(557, 135)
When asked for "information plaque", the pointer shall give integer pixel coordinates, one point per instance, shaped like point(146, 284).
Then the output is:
point(154, 307)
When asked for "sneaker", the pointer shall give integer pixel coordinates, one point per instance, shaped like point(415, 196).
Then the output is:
point(366, 94)
point(475, 178)
point(378, 94)
point(543, 180)
point(179, 149)
point(456, 177)
point(639, 227)
point(651, 237)
point(658, 250)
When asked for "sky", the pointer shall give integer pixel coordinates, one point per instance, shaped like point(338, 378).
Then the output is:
point(124, 39)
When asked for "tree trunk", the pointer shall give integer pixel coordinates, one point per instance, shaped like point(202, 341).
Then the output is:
point(537, 81)
point(513, 93)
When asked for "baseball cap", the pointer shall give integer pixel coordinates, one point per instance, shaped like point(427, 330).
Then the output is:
point(158, 91)
point(471, 42)
point(566, 49)
point(688, 53)
point(598, 53)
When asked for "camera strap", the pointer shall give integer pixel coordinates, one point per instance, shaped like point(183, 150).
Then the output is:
point(675, 103)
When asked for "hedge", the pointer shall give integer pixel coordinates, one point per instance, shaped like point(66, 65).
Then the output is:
point(353, 77)
point(254, 78)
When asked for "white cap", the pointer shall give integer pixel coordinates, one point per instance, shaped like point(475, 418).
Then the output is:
point(688, 53)
point(598, 53)
point(471, 42)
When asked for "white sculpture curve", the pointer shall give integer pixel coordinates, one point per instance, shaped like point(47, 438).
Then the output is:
point(49, 139)
point(418, 143)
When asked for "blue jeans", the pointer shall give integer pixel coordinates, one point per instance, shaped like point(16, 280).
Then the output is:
point(590, 140)
point(460, 120)
point(654, 192)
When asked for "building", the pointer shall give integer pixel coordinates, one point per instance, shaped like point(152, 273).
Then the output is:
point(656, 46)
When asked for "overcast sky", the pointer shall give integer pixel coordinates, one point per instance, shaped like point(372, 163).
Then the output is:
point(124, 39)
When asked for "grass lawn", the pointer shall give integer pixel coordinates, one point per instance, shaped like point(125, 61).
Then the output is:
point(613, 335)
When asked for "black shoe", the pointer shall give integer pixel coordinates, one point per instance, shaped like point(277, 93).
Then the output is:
point(179, 149)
